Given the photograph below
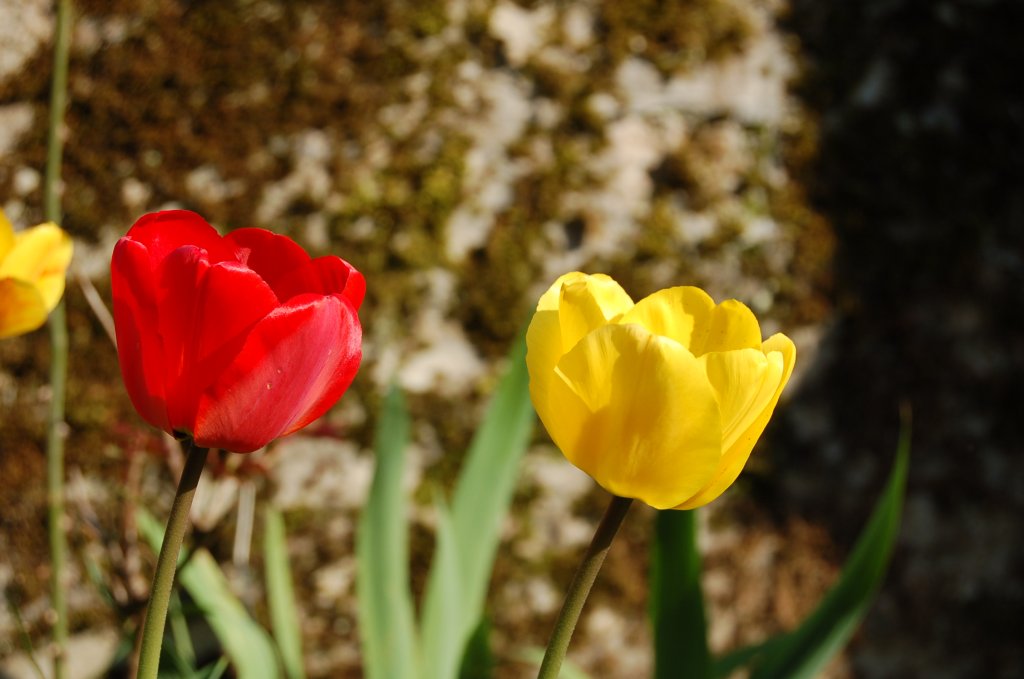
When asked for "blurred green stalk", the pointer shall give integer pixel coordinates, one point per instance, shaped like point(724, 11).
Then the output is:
point(59, 346)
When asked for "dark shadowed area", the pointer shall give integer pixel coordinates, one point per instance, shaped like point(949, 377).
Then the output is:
point(919, 170)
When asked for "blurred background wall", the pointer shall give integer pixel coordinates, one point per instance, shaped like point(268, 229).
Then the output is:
point(852, 171)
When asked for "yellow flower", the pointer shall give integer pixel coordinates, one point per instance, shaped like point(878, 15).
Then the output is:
point(33, 264)
point(661, 400)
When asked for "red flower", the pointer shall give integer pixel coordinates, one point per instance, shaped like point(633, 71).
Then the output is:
point(233, 341)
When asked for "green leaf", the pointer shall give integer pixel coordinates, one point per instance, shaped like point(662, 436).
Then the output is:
point(26, 639)
point(181, 638)
point(730, 662)
point(802, 653)
point(478, 661)
point(183, 667)
point(676, 603)
point(488, 479)
point(481, 500)
point(444, 609)
point(382, 553)
point(725, 665)
point(246, 643)
point(284, 617)
point(215, 670)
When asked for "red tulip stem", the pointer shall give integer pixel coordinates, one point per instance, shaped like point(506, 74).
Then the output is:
point(167, 563)
point(580, 587)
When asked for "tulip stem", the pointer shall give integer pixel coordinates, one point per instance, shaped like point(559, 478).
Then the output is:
point(57, 428)
point(167, 563)
point(580, 587)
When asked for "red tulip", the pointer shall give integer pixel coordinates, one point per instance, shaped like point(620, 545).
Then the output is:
point(231, 341)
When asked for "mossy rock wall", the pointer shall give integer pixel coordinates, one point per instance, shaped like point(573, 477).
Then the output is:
point(461, 154)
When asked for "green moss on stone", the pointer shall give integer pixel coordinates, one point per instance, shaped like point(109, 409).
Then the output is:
point(674, 35)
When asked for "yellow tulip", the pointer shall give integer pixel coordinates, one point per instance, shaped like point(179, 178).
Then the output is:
point(662, 400)
point(33, 265)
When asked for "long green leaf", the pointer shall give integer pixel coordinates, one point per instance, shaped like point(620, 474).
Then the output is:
point(478, 660)
point(246, 643)
point(488, 479)
point(803, 652)
point(181, 638)
point(676, 602)
point(216, 670)
point(444, 609)
point(182, 666)
point(725, 665)
point(26, 639)
point(382, 552)
point(284, 617)
point(481, 499)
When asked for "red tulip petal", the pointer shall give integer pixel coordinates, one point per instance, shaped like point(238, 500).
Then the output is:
point(164, 232)
point(336, 378)
point(232, 300)
point(282, 263)
point(140, 352)
point(210, 311)
point(294, 365)
point(337, 275)
point(355, 288)
point(179, 277)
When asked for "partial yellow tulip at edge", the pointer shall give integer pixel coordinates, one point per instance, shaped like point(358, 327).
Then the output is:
point(33, 267)
point(661, 400)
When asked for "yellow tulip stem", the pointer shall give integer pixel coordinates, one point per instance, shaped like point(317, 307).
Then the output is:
point(59, 343)
point(580, 587)
point(167, 564)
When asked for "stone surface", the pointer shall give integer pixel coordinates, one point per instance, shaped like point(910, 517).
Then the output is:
point(463, 154)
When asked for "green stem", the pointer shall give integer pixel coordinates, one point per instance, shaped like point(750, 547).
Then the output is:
point(55, 485)
point(58, 104)
point(580, 587)
point(56, 430)
point(167, 562)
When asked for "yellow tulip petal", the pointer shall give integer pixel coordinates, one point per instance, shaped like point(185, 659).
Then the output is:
point(6, 236)
point(744, 382)
point(51, 285)
point(21, 307)
point(40, 256)
point(563, 413)
point(584, 305)
point(689, 316)
point(675, 312)
point(573, 306)
point(748, 425)
point(550, 299)
point(544, 336)
point(651, 429)
point(587, 304)
point(543, 351)
point(733, 326)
